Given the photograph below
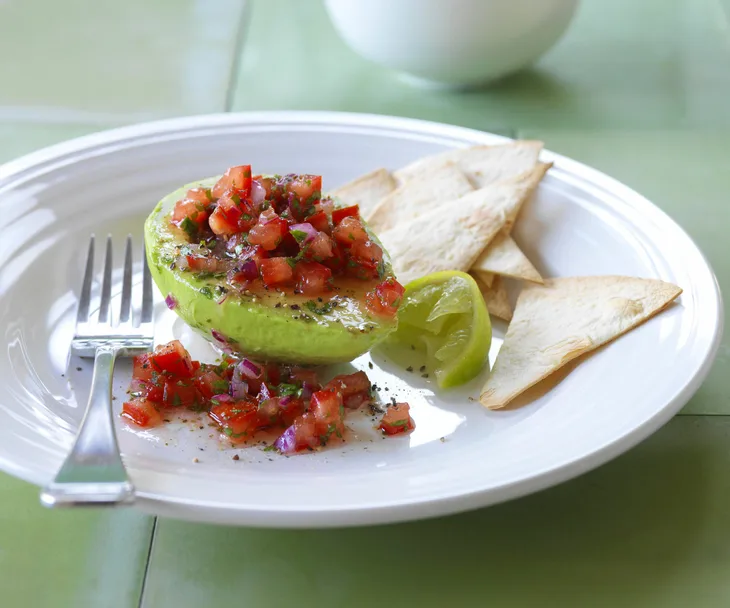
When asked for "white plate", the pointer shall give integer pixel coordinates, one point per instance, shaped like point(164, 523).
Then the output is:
point(460, 456)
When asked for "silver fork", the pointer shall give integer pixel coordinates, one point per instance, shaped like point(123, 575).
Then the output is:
point(93, 473)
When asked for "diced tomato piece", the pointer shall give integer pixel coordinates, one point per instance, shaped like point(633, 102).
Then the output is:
point(173, 359)
point(196, 365)
point(220, 224)
point(312, 278)
point(397, 420)
point(300, 375)
point(338, 261)
point(238, 420)
point(365, 258)
point(272, 373)
point(354, 388)
point(329, 413)
point(349, 384)
point(319, 221)
point(385, 298)
point(236, 178)
point(189, 216)
point(202, 263)
point(180, 393)
point(340, 214)
point(366, 252)
point(142, 368)
point(303, 193)
point(320, 248)
point(200, 195)
point(141, 412)
point(290, 410)
point(269, 235)
point(209, 383)
point(276, 271)
point(305, 432)
point(152, 391)
point(306, 186)
point(349, 231)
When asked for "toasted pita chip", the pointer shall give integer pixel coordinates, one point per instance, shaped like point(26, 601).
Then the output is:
point(367, 190)
point(495, 296)
point(450, 241)
point(483, 165)
point(565, 318)
point(445, 182)
point(503, 256)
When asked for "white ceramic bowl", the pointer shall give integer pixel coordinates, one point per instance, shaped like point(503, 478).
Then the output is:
point(452, 42)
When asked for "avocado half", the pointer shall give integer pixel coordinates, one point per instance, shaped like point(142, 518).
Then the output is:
point(299, 330)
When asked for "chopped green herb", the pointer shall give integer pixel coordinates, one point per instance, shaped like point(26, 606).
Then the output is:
point(319, 310)
point(206, 292)
point(270, 448)
point(189, 226)
point(291, 262)
point(284, 389)
point(299, 235)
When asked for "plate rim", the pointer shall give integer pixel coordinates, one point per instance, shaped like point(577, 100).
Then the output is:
point(404, 510)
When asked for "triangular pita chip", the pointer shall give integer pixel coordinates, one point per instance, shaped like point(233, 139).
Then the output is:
point(495, 296)
point(483, 165)
point(445, 182)
point(503, 256)
point(450, 241)
point(367, 190)
point(565, 318)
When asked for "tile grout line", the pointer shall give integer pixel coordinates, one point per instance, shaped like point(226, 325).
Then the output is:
point(147, 563)
point(243, 25)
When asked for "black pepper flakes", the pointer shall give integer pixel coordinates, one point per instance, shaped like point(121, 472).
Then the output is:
point(78, 369)
point(294, 306)
point(422, 368)
point(409, 368)
point(370, 364)
point(235, 457)
point(424, 375)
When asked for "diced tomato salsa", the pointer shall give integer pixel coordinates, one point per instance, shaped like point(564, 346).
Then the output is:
point(280, 233)
point(244, 398)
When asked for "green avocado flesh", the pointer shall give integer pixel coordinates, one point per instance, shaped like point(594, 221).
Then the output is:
point(300, 330)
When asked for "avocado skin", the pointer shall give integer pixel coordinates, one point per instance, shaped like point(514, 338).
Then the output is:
point(251, 325)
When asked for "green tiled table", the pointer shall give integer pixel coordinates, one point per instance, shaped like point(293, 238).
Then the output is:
point(637, 89)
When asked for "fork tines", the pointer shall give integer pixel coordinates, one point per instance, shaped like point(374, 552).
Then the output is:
point(125, 313)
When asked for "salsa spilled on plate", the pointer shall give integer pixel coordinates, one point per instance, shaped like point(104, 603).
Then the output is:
point(245, 399)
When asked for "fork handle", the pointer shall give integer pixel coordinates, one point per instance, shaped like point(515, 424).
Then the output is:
point(93, 474)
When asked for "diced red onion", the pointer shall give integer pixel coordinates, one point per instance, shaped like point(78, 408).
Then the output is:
point(264, 392)
point(258, 193)
point(239, 389)
point(222, 298)
point(222, 398)
point(287, 441)
point(170, 301)
point(218, 336)
point(249, 270)
point(307, 390)
point(249, 369)
point(286, 400)
point(309, 232)
point(182, 262)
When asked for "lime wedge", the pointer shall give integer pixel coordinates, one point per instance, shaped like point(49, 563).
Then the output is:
point(444, 315)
